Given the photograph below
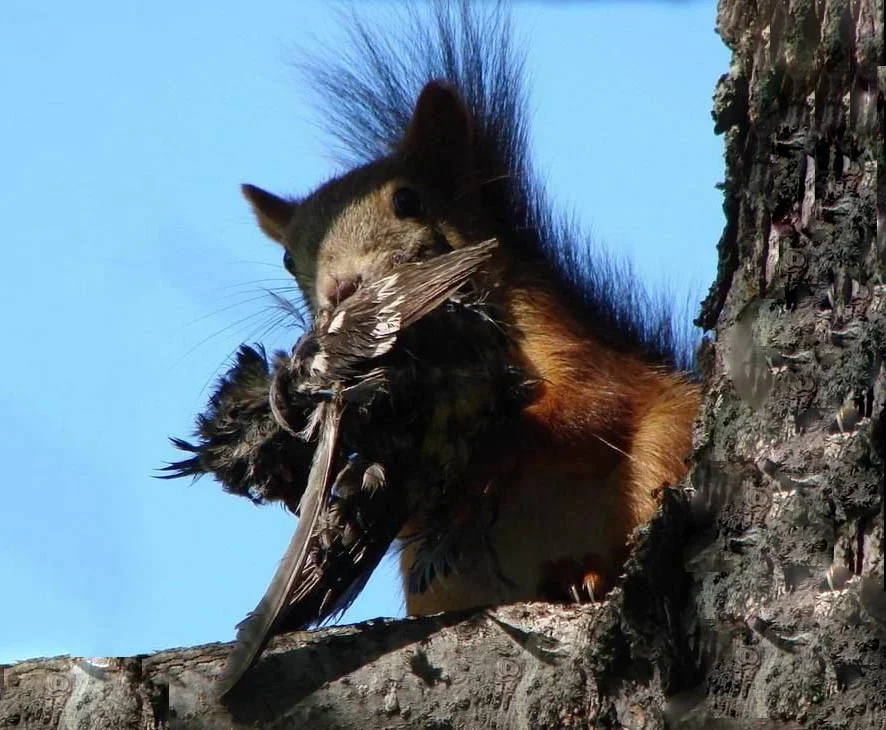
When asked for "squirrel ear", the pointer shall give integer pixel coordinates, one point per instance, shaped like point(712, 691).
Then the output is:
point(439, 138)
point(272, 213)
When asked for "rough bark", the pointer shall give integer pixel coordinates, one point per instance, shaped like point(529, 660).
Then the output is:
point(755, 598)
point(787, 604)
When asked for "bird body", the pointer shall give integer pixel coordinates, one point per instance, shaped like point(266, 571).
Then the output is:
point(395, 388)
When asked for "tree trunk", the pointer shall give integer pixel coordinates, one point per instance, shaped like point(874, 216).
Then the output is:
point(786, 610)
point(775, 613)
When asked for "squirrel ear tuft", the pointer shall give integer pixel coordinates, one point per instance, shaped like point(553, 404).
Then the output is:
point(272, 213)
point(439, 138)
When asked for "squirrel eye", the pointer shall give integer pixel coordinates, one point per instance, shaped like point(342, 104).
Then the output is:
point(289, 263)
point(407, 203)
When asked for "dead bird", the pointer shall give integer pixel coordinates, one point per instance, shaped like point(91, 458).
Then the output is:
point(373, 418)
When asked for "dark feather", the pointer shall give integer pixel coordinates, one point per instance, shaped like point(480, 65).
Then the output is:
point(345, 529)
point(255, 630)
point(239, 442)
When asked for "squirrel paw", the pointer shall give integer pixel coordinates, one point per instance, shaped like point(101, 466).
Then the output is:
point(569, 580)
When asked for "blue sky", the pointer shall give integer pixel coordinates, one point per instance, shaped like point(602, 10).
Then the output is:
point(132, 270)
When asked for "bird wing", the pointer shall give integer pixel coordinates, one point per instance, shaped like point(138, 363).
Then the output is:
point(256, 629)
point(430, 283)
point(365, 326)
point(365, 514)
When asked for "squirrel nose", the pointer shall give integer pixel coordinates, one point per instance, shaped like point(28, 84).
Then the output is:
point(337, 288)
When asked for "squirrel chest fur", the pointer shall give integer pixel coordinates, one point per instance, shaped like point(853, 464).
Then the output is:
point(437, 129)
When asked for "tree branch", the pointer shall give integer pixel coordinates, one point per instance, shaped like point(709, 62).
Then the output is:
point(527, 665)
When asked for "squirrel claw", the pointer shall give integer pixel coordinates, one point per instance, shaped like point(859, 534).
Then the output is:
point(577, 581)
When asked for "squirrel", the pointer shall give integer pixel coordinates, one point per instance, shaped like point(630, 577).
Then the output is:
point(437, 130)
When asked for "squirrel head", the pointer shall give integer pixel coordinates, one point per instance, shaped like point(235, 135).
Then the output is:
point(420, 201)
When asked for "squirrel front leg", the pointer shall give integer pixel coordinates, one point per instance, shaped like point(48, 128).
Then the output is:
point(548, 528)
